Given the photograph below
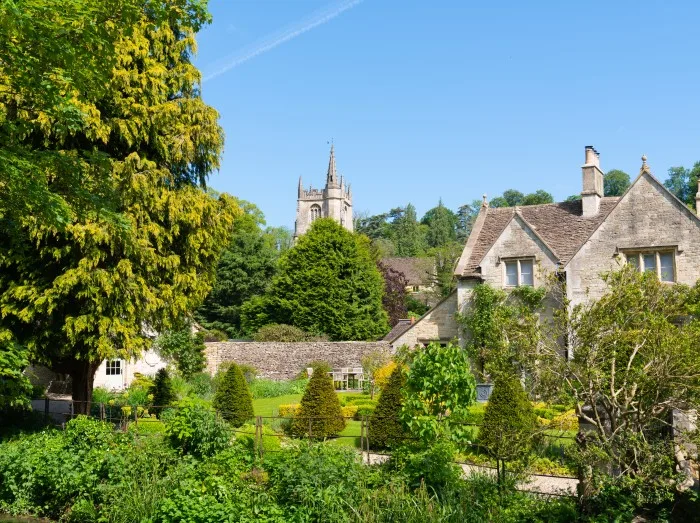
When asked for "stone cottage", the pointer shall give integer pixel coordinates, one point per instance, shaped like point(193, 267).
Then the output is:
point(512, 246)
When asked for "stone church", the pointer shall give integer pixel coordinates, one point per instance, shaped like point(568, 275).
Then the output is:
point(647, 227)
point(334, 201)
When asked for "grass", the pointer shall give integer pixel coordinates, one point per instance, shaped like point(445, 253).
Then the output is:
point(270, 406)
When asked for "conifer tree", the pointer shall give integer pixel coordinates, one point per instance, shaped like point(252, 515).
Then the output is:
point(162, 390)
point(233, 399)
point(385, 427)
point(509, 423)
point(320, 410)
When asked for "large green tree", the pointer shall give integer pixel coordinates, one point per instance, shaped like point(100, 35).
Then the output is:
point(245, 269)
point(615, 182)
point(406, 231)
point(684, 183)
point(106, 228)
point(327, 283)
point(442, 226)
point(511, 198)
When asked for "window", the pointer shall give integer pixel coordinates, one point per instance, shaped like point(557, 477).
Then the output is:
point(661, 263)
point(520, 272)
point(416, 288)
point(114, 367)
point(315, 212)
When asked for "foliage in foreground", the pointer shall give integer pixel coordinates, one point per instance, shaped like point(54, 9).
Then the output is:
point(386, 429)
point(192, 427)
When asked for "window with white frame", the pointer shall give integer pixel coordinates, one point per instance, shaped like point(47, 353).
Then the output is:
point(519, 272)
point(315, 212)
point(114, 367)
point(662, 263)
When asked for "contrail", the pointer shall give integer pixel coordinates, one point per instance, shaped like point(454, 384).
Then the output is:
point(317, 18)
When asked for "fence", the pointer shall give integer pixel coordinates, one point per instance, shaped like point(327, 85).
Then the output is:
point(124, 416)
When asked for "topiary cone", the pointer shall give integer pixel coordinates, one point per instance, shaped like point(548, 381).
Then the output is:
point(233, 399)
point(319, 409)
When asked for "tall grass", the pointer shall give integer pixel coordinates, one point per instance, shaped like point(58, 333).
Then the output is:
point(265, 388)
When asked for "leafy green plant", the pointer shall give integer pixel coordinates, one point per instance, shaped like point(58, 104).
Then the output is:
point(232, 399)
point(432, 465)
point(438, 392)
point(386, 429)
point(319, 415)
point(285, 333)
point(201, 384)
point(265, 388)
point(184, 348)
point(193, 428)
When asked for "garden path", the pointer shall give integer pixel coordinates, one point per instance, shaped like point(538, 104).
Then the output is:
point(538, 483)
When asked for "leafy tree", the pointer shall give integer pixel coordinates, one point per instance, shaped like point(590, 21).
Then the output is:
point(406, 232)
point(684, 183)
point(284, 333)
point(466, 216)
point(443, 278)
point(573, 198)
point(394, 297)
point(111, 151)
point(281, 238)
point(503, 330)
point(438, 383)
point(537, 198)
point(615, 182)
point(319, 411)
point(513, 197)
point(245, 269)
point(509, 424)
point(371, 363)
point(327, 283)
point(233, 399)
point(15, 389)
point(385, 426)
point(635, 361)
point(442, 226)
point(183, 347)
point(373, 227)
point(162, 390)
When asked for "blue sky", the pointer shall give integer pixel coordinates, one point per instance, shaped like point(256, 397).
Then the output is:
point(428, 100)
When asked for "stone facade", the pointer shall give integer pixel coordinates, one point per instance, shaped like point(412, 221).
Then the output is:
point(334, 201)
point(438, 324)
point(579, 240)
point(282, 361)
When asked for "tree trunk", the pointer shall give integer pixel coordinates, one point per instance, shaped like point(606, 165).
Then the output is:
point(82, 374)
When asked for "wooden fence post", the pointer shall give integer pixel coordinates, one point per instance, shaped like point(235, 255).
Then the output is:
point(46, 408)
point(309, 428)
point(102, 411)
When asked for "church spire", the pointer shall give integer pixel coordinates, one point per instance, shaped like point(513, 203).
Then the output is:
point(331, 176)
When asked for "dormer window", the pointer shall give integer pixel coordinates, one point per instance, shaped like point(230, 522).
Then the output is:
point(519, 272)
point(661, 262)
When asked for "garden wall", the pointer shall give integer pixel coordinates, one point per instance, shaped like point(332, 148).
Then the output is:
point(281, 361)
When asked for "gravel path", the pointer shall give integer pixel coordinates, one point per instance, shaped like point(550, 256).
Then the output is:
point(556, 485)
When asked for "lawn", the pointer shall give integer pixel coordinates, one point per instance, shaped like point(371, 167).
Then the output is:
point(270, 406)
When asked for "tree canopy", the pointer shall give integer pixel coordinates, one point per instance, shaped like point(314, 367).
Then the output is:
point(684, 183)
point(327, 283)
point(105, 227)
point(615, 182)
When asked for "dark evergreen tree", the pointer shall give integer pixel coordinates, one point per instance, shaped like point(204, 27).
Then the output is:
point(328, 283)
point(407, 233)
point(320, 409)
point(394, 298)
point(386, 429)
point(162, 391)
point(233, 399)
point(442, 226)
point(509, 423)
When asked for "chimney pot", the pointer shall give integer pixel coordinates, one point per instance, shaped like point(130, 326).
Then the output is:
point(592, 182)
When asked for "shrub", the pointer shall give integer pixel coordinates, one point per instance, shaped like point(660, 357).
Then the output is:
point(320, 409)
point(364, 410)
point(285, 333)
point(349, 411)
point(432, 466)
point(193, 428)
point(215, 335)
point(184, 348)
point(162, 390)
point(317, 479)
point(232, 399)
point(289, 410)
point(385, 426)
point(382, 374)
point(201, 384)
point(265, 388)
point(509, 423)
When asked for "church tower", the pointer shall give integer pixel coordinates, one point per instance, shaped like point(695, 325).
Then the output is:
point(334, 201)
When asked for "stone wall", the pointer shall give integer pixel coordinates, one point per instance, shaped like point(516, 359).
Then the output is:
point(281, 361)
point(646, 217)
point(438, 324)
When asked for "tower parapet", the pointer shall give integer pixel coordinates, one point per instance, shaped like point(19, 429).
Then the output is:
point(333, 201)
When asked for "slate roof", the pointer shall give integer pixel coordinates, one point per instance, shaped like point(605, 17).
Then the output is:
point(416, 270)
point(561, 227)
point(397, 330)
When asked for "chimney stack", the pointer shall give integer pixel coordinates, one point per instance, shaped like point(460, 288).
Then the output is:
point(697, 199)
point(592, 182)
